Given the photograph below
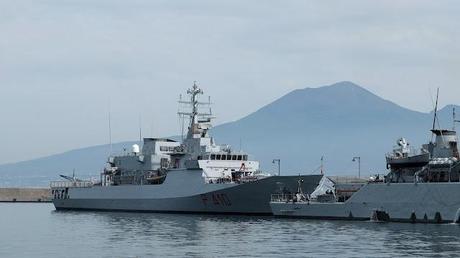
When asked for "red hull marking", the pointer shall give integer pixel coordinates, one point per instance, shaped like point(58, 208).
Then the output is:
point(204, 199)
point(221, 199)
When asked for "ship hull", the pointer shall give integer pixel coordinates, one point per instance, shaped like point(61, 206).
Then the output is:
point(185, 192)
point(402, 202)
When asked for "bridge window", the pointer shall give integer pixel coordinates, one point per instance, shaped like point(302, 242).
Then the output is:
point(166, 148)
point(224, 157)
point(213, 156)
point(233, 157)
point(245, 157)
point(239, 157)
point(229, 157)
point(218, 156)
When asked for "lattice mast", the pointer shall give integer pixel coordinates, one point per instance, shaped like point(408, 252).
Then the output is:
point(198, 121)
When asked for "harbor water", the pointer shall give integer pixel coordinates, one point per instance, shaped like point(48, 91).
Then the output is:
point(37, 230)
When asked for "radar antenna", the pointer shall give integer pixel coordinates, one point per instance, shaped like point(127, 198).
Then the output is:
point(196, 118)
point(193, 92)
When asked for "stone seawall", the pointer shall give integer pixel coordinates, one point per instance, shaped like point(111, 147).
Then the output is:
point(25, 195)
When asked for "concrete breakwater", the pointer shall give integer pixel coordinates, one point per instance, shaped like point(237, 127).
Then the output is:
point(25, 195)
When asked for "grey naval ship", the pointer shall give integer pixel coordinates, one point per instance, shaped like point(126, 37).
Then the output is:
point(421, 186)
point(192, 176)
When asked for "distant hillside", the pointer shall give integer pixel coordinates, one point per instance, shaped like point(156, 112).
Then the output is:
point(86, 162)
point(338, 121)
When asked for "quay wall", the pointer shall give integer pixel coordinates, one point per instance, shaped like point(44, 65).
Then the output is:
point(25, 195)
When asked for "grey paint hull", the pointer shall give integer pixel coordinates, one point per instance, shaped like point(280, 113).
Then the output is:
point(403, 202)
point(185, 191)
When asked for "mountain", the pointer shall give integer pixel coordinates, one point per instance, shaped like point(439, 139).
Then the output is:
point(338, 121)
point(85, 161)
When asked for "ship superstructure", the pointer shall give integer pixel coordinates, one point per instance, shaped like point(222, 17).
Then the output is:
point(192, 175)
point(218, 163)
point(437, 161)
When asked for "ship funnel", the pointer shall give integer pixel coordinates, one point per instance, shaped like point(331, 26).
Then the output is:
point(136, 149)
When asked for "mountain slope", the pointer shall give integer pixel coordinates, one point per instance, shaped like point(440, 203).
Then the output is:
point(338, 121)
point(86, 162)
point(344, 104)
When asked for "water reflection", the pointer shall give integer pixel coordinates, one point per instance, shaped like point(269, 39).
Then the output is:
point(132, 234)
point(39, 231)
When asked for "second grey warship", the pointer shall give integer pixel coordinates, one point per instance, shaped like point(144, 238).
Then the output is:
point(192, 176)
point(421, 186)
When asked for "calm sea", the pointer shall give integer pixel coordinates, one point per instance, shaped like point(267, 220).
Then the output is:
point(37, 230)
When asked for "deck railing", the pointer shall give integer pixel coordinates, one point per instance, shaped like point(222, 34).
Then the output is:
point(288, 198)
point(70, 184)
point(225, 180)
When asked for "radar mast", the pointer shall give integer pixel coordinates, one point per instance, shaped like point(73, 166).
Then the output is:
point(199, 122)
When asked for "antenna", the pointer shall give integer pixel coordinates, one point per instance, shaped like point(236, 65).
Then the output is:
point(436, 109)
point(453, 118)
point(322, 165)
point(110, 132)
point(181, 117)
point(195, 117)
point(151, 128)
point(435, 112)
point(140, 129)
point(183, 126)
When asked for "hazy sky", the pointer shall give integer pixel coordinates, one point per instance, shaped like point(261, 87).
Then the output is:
point(63, 62)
